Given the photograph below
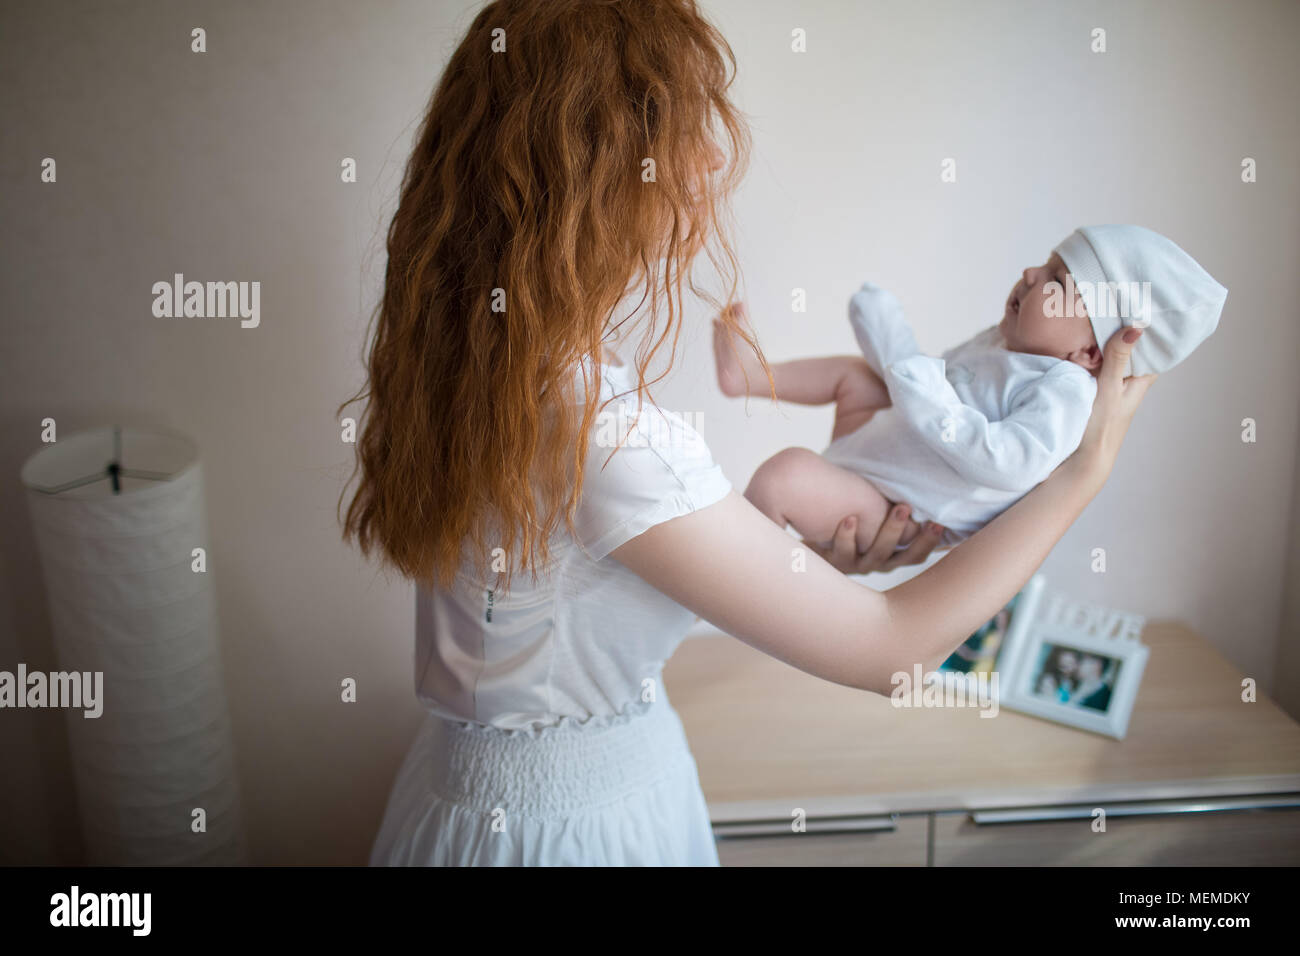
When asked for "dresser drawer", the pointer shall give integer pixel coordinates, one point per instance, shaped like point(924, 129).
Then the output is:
point(1222, 837)
point(900, 841)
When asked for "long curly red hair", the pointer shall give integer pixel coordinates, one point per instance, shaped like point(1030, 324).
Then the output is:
point(569, 155)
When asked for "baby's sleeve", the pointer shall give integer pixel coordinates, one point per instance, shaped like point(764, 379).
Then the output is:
point(883, 335)
point(662, 471)
point(1045, 423)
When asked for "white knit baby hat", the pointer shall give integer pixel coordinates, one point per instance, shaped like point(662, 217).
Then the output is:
point(1129, 275)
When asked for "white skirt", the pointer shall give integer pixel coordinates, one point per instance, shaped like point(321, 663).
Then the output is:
point(608, 791)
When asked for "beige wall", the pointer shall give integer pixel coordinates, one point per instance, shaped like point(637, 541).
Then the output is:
point(1286, 676)
point(225, 166)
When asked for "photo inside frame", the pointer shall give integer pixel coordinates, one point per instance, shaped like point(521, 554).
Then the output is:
point(978, 654)
point(1073, 677)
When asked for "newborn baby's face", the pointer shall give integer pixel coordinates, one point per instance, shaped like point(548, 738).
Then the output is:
point(1039, 320)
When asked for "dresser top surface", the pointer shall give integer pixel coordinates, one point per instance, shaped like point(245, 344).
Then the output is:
point(768, 738)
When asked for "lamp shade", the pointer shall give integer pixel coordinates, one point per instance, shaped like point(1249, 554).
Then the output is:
point(126, 600)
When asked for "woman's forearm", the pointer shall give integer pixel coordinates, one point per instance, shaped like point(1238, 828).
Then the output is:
point(934, 612)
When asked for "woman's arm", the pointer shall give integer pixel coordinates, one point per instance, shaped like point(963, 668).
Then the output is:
point(736, 569)
point(739, 571)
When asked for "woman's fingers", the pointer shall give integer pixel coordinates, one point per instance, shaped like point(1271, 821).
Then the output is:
point(1118, 396)
point(842, 554)
point(1136, 386)
point(844, 547)
point(1114, 365)
point(918, 551)
point(886, 540)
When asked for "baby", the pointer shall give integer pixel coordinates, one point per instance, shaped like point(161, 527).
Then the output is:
point(963, 437)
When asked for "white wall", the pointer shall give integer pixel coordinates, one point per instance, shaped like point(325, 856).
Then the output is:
point(226, 166)
point(1286, 676)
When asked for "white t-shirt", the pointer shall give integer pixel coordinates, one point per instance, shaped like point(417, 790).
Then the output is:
point(583, 639)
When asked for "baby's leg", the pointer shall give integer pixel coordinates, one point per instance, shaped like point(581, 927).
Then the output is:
point(846, 380)
point(800, 488)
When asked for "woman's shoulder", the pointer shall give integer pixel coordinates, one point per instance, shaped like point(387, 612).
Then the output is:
point(627, 419)
point(637, 448)
point(644, 464)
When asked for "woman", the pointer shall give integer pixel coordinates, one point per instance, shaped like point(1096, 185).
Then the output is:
point(567, 164)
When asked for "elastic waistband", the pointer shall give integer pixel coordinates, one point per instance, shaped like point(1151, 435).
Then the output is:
point(559, 769)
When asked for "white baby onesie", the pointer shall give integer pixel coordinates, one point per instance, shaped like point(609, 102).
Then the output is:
point(967, 434)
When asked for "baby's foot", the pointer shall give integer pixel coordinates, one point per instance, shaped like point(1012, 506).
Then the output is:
point(735, 360)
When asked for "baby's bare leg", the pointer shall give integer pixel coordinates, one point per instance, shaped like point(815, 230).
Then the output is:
point(846, 380)
point(800, 488)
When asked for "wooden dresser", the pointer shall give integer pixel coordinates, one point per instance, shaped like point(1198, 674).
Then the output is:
point(1201, 778)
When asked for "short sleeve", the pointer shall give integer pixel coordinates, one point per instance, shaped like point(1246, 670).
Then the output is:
point(662, 470)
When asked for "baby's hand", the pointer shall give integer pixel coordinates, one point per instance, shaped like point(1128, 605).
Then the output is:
point(878, 324)
point(876, 298)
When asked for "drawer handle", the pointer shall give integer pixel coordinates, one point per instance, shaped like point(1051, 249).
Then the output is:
point(1150, 808)
point(875, 824)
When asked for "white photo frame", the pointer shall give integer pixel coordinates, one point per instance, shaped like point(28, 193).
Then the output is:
point(1072, 662)
point(1017, 637)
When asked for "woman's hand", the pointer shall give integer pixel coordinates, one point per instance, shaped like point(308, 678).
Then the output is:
point(881, 556)
point(1117, 399)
